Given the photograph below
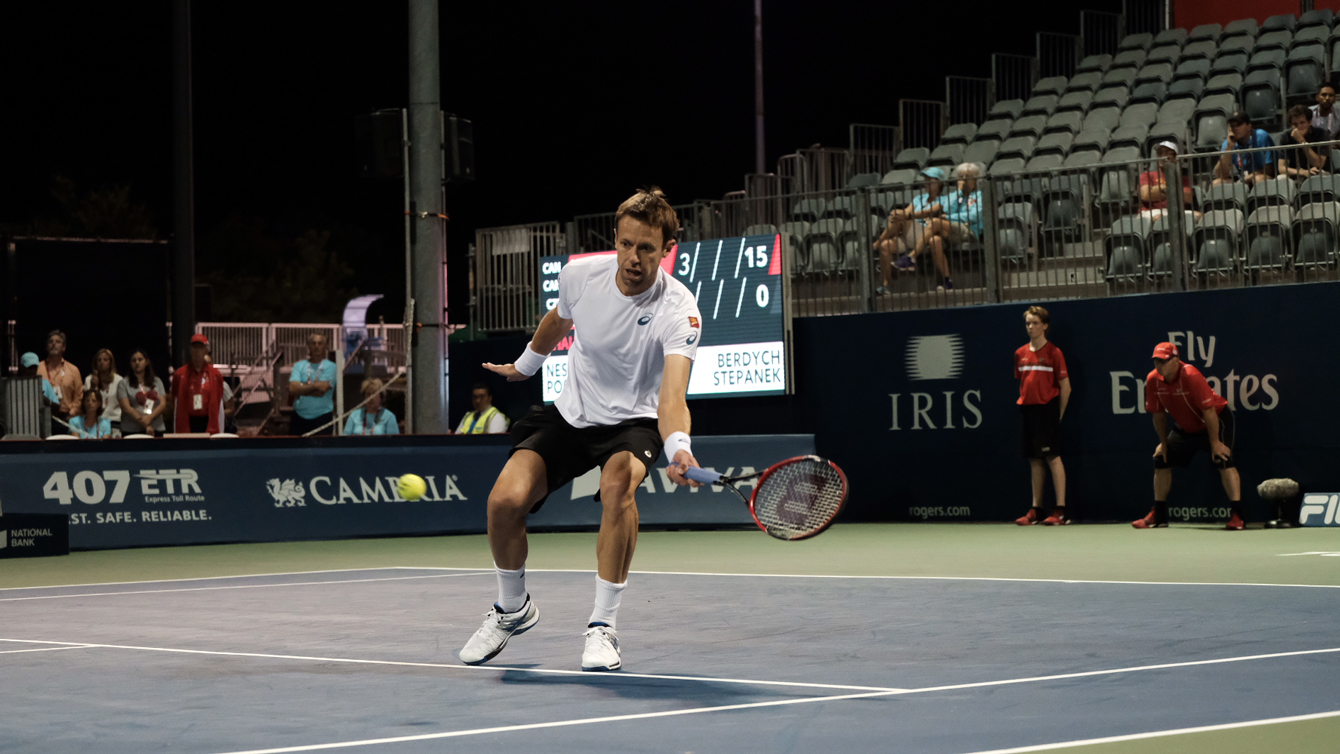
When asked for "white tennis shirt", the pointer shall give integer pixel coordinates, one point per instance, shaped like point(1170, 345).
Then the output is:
point(620, 344)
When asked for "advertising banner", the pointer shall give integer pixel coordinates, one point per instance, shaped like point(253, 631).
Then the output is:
point(925, 422)
point(153, 495)
point(27, 535)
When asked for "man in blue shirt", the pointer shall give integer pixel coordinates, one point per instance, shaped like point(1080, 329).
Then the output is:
point(1248, 167)
point(313, 382)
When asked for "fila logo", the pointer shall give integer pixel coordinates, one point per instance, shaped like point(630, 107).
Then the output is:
point(1319, 510)
point(645, 319)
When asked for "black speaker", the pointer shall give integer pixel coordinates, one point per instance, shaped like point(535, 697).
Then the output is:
point(458, 153)
point(380, 144)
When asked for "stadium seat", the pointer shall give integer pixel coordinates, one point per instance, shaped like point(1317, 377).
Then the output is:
point(900, 177)
point(1216, 241)
point(1027, 189)
point(1261, 98)
point(959, 133)
point(1133, 135)
point(1272, 58)
point(1063, 205)
point(946, 156)
point(1007, 109)
point(1315, 234)
point(1318, 189)
point(1075, 102)
point(853, 240)
point(1050, 85)
point(1014, 231)
point(1155, 71)
point(1304, 72)
point(1211, 122)
point(1006, 166)
point(1041, 104)
point(1245, 26)
point(1090, 140)
point(1279, 39)
point(821, 245)
point(1082, 158)
point(1323, 17)
point(1136, 42)
point(1125, 247)
point(1229, 62)
point(1164, 54)
point(794, 234)
point(1102, 118)
point(1064, 122)
point(1040, 162)
point(1203, 50)
point(1122, 154)
point(993, 130)
point(1335, 53)
point(1170, 36)
point(1224, 83)
point(1160, 243)
point(1186, 87)
point(808, 210)
point(1115, 95)
point(1083, 82)
point(1017, 146)
point(1283, 21)
point(1193, 67)
point(1319, 34)
point(763, 229)
point(1238, 44)
point(914, 158)
point(1127, 59)
point(1116, 192)
point(1144, 113)
point(1177, 110)
point(1269, 232)
point(843, 207)
point(884, 202)
point(1054, 143)
point(1226, 196)
point(862, 180)
point(1090, 63)
point(1267, 194)
point(1205, 32)
point(1121, 77)
point(982, 152)
point(1029, 125)
point(1149, 91)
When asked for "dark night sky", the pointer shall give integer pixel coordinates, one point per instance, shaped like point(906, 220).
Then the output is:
point(574, 105)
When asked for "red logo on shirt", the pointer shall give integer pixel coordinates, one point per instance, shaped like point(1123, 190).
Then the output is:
point(693, 321)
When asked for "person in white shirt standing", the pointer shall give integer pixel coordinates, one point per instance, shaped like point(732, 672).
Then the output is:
point(637, 332)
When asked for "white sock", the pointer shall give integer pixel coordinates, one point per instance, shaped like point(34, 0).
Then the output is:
point(607, 602)
point(511, 589)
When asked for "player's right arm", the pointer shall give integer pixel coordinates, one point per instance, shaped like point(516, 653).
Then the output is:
point(552, 329)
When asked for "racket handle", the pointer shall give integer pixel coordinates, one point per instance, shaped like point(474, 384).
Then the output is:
point(706, 476)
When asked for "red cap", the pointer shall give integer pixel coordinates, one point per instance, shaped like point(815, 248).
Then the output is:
point(199, 338)
point(1165, 350)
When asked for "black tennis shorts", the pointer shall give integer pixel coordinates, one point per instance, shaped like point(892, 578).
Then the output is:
point(1182, 446)
point(1041, 424)
point(569, 451)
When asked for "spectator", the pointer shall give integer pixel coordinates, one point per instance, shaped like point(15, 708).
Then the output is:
point(485, 418)
point(1044, 391)
point(197, 391)
point(1203, 422)
point(64, 378)
point(962, 222)
point(142, 398)
point(1154, 184)
point(1247, 167)
point(104, 371)
point(28, 368)
point(1324, 114)
point(312, 382)
point(1305, 160)
point(905, 233)
point(373, 418)
point(91, 424)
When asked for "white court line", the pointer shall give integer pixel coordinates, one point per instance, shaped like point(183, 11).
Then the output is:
point(238, 576)
point(495, 668)
point(43, 649)
point(240, 586)
point(808, 700)
point(1162, 733)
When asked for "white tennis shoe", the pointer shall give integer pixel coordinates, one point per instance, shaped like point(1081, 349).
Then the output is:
point(602, 649)
point(498, 627)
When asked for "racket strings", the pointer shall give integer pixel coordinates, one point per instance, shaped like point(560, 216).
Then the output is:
point(799, 499)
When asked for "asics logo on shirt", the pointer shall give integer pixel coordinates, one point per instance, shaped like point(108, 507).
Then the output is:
point(645, 319)
point(691, 339)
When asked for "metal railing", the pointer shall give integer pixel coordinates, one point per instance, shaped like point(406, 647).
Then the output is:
point(968, 99)
point(239, 345)
point(1058, 54)
point(1147, 16)
point(921, 122)
point(1014, 75)
point(1101, 32)
point(505, 268)
point(873, 148)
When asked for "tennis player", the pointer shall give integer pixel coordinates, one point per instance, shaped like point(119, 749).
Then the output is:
point(1044, 391)
point(637, 331)
point(1204, 422)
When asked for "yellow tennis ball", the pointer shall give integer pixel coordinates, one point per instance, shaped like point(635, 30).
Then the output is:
point(411, 487)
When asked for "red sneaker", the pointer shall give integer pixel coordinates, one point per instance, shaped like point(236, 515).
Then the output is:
point(1057, 518)
point(1235, 522)
point(1148, 522)
point(1029, 518)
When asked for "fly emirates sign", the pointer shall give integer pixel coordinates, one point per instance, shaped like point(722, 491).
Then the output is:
point(1242, 390)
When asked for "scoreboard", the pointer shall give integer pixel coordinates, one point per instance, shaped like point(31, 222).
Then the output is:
point(739, 286)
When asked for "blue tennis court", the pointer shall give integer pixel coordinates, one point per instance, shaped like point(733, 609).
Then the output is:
point(364, 659)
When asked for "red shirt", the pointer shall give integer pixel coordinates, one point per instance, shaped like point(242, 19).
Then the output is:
point(1155, 178)
point(1039, 373)
point(1185, 397)
point(207, 384)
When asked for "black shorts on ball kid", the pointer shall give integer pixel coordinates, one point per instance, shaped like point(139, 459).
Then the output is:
point(1041, 429)
point(1182, 446)
point(569, 451)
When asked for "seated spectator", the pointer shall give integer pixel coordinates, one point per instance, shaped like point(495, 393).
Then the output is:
point(142, 398)
point(313, 382)
point(373, 418)
point(1154, 184)
point(64, 378)
point(1305, 160)
point(485, 418)
point(962, 222)
point(1247, 167)
point(91, 424)
point(197, 391)
point(905, 232)
point(104, 371)
point(1324, 115)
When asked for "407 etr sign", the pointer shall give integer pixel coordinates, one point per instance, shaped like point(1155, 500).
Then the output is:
point(113, 485)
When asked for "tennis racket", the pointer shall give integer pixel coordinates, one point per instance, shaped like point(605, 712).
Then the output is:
point(795, 499)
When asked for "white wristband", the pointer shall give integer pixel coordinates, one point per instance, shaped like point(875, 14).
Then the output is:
point(528, 362)
point(676, 442)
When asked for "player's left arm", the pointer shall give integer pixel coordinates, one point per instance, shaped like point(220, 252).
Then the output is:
point(1065, 394)
point(672, 413)
point(1062, 380)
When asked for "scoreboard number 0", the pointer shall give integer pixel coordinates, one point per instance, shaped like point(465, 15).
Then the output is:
point(761, 296)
